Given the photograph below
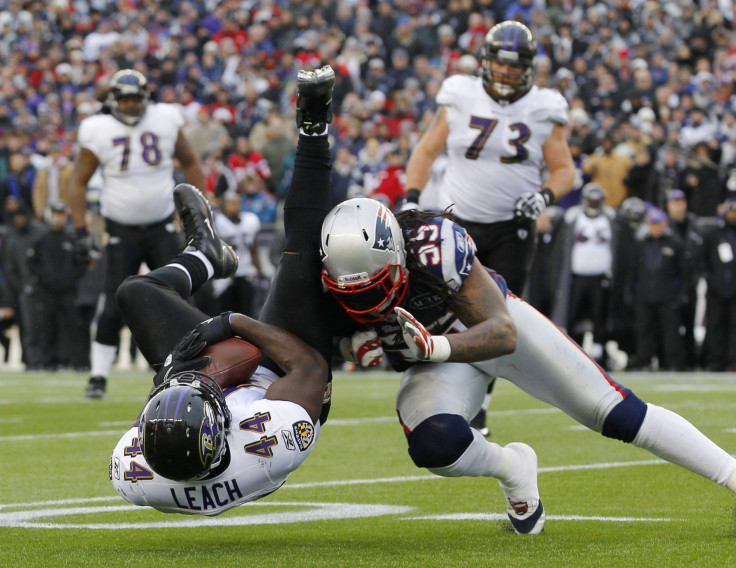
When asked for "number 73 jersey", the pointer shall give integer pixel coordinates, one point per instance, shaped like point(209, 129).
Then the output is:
point(267, 440)
point(494, 148)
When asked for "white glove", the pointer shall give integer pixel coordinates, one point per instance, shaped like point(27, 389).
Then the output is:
point(408, 205)
point(424, 346)
point(363, 348)
point(530, 204)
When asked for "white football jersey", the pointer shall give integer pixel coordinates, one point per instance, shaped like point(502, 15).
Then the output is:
point(136, 163)
point(495, 149)
point(241, 237)
point(267, 440)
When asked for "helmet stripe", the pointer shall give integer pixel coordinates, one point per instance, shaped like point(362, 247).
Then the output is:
point(166, 402)
point(182, 393)
point(516, 37)
point(507, 39)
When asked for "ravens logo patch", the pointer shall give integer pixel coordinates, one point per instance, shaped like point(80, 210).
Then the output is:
point(304, 434)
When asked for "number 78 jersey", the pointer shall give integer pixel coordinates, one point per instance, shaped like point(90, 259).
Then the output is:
point(136, 162)
point(494, 148)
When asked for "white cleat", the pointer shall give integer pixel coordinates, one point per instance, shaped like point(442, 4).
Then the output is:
point(523, 504)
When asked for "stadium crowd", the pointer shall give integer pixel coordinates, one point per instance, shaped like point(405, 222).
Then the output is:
point(650, 87)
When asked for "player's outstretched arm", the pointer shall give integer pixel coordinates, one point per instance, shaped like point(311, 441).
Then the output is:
point(306, 370)
point(482, 308)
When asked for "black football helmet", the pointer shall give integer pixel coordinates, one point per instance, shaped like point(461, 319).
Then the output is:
point(182, 427)
point(511, 43)
point(128, 83)
point(594, 198)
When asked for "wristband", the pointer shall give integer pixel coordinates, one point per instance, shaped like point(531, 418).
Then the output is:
point(549, 196)
point(441, 350)
point(412, 195)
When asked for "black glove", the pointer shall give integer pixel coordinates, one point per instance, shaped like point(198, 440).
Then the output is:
point(182, 358)
point(82, 246)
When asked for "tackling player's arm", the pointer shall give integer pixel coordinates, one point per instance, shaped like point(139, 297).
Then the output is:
point(84, 168)
point(430, 145)
point(559, 162)
point(189, 162)
point(306, 370)
point(481, 306)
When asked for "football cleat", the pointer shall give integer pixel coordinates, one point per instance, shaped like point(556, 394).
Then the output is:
point(314, 99)
point(96, 387)
point(199, 228)
point(523, 505)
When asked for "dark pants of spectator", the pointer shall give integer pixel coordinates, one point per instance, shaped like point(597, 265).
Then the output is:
point(658, 331)
point(29, 330)
point(507, 247)
point(589, 300)
point(720, 333)
point(60, 329)
point(128, 247)
point(687, 313)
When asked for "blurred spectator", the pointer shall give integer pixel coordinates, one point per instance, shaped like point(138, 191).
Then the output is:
point(240, 230)
point(720, 273)
point(18, 248)
point(19, 180)
point(642, 180)
point(609, 170)
point(628, 224)
point(391, 181)
point(586, 264)
point(255, 198)
point(685, 225)
point(244, 161)
point(701, 180)
point(57, 274)
point(52, 183)
point(274, 141)
point(345, 179)
point(208, 133)
point(658, 286)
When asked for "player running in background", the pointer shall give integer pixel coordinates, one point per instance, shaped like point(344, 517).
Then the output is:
point(134, 145)
point(501, 132)
point(199, 449)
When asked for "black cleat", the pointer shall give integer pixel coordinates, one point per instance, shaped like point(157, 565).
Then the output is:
point(314, 99)
point(199, 228)
point(96, 387)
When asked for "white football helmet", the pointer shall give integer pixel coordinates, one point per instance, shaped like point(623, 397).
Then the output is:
point(363, 259)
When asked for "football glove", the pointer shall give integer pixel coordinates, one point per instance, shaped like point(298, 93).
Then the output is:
point(423, 345)
point(532, 203)
point(82, 247)
point(363, 348)
point(182, 358)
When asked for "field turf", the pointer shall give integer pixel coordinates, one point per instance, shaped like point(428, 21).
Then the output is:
point(358, 500)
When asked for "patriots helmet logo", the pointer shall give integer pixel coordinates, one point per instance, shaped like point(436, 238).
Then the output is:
point(384, 238)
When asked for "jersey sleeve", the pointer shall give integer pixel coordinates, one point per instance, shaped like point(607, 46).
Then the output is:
point(87, 133)
point(453, 88)
point(552, 107)
point(171, 114)
point(446, 250)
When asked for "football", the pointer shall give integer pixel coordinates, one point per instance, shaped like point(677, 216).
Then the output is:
point(232, 362)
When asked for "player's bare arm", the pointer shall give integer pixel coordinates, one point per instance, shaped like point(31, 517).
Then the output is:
point(482, 308)
point(430, 145)
point(559, 163)
point(84, 168)
point(189, 162)
point(306, 370)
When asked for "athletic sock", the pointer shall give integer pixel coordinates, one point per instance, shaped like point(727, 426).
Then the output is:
point(101, 359)
point(481, 459)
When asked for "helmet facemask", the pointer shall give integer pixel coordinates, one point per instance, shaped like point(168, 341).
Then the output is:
point(510, 44)
point(128, 83)
point(372, 299)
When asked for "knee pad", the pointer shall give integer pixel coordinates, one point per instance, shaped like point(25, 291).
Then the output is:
point(440, 440)
point(624, 421)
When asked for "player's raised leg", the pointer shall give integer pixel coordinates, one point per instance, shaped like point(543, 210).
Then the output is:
point(154, 306)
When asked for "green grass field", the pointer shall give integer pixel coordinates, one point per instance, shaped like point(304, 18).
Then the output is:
point(358, 500)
